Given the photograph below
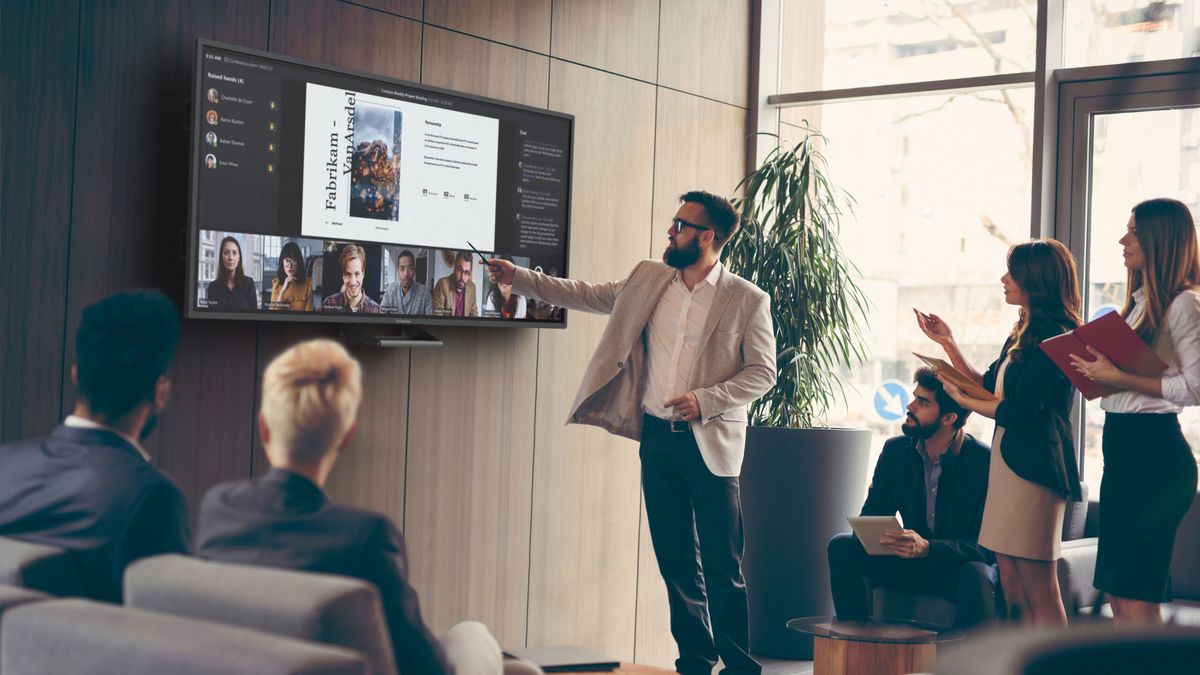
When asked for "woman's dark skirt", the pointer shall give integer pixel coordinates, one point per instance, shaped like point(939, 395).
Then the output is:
point(1148, 486)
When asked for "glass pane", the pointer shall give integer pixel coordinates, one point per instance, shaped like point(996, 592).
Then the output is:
point(1099, 32)
point(941, 185)
point(1135, 156)
point(835, 44)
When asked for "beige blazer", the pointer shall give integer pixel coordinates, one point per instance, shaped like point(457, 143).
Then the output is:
point(443, 298)
point(735, 363)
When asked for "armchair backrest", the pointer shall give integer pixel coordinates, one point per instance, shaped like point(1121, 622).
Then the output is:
point(317, 607)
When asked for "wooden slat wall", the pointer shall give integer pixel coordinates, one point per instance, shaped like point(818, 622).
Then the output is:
point(704, 48)
point(520, 23)
point(36, 209)
point(130, 214)
point(620, 36)
point(693, 147)
point(510, 517)
point(583, 567)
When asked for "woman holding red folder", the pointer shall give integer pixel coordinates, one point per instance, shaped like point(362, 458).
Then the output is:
point(1033, 471)
point(1149, 471)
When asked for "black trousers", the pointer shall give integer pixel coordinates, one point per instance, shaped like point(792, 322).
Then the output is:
point(973, 587)
point(695, 523)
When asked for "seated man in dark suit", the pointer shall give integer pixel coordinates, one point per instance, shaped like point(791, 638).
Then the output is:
point(936, 476)
point(89, 486)
point(310, 398)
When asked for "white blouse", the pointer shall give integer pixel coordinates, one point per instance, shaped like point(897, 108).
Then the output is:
point(1178, 344)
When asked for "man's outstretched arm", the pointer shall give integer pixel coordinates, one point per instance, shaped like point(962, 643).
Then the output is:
point(597, 298)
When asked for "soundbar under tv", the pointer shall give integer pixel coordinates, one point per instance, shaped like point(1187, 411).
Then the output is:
point(322, 194)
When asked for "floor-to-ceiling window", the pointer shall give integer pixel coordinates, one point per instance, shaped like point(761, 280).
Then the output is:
point(932, 117)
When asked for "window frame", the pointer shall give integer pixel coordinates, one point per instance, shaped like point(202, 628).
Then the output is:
point(1062, 97)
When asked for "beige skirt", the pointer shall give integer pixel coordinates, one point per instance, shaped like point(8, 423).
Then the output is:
point(1020, 518)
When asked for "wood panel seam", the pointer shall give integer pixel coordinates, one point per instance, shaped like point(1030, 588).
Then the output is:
point(407, 432)
point(384, 11)
point(637, 574)
point(66, 308)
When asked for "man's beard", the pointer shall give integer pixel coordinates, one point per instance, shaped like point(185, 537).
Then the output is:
point(680, 258)
point(921, 431)
point(148, 427)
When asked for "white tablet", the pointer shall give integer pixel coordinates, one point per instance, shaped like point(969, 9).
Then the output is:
point(870, 529)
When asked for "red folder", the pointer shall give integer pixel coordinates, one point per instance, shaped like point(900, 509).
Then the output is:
point(1110, 336)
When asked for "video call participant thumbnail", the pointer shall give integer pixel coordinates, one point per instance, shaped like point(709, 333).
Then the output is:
point(232, 289)
point(291, 288)
point(454, 294)
point(501, 301)
point(89, 486)
point(352, 297)
point(406, 295)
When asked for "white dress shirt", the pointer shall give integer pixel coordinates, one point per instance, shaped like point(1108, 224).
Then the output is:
point(77, 422)
point(1178, 344)
point(673, 337)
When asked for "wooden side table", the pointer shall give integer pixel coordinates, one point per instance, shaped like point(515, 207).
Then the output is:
point(880, 647)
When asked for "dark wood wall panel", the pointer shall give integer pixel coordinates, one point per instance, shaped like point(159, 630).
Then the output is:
point(273, 339)
point(512, 518)
point(38, 125)
point(521, 23)
point(348, 36)
point(411, 9)
point(130, 213)
point(463, 63)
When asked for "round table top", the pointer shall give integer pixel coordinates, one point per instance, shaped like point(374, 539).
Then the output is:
point(894, 631)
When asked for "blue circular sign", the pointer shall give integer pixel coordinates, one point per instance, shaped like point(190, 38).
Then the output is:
point(891, 400)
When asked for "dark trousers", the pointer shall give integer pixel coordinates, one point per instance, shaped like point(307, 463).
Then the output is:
point(973, 587)
point(695, 523)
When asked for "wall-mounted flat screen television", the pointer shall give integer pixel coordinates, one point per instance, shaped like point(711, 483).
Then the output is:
point(321, 194)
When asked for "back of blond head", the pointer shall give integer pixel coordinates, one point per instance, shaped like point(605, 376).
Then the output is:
point(310, 397)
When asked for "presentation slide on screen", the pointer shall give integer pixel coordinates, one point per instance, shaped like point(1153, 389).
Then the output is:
point(385, 170)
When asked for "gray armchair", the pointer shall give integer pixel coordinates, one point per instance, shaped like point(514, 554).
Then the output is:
point(81, 636)
point(322, 608)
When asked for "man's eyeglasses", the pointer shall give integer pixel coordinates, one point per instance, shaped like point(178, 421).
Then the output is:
point(680, 224)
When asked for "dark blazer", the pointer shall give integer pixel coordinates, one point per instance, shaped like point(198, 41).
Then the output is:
point(1035, 414)
point(91, 492)
point(899, 485)
point(285, 520)
point(243, 296)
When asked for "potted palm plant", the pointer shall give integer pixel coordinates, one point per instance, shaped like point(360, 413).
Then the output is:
point(800, 479)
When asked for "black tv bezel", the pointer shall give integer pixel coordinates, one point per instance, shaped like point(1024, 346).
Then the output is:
point(193, 312)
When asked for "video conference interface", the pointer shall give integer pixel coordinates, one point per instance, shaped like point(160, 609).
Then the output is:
point(322, 191)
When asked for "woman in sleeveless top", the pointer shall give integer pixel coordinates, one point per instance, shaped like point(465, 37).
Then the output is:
point(1033, 471)
point(1149, 470)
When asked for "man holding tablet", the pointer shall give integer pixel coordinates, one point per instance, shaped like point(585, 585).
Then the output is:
point(936, 476)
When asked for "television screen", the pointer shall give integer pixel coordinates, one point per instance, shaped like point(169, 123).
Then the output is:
point(328, 195)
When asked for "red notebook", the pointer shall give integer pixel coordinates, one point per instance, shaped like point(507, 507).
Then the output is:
point(1110, 336)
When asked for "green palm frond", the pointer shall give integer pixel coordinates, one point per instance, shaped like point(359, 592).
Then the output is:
point(789, 245)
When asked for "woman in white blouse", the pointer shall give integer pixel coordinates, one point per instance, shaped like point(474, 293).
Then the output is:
point(1149, 471)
